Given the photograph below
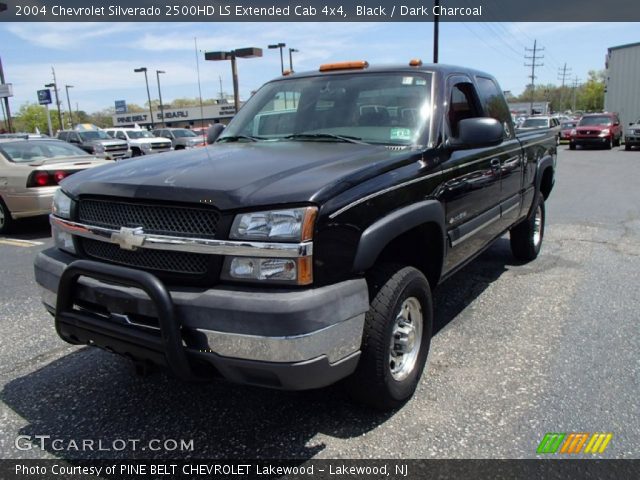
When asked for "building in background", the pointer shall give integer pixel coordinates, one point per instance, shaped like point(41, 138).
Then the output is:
point(178, 117)
point(622, 89)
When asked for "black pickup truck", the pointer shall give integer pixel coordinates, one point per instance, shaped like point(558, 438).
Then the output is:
point(303, 246)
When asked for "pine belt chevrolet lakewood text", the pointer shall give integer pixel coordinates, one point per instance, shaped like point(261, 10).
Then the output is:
point(303, 246)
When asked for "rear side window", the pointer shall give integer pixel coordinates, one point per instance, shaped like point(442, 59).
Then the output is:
point(63, 136)
point(494, 104)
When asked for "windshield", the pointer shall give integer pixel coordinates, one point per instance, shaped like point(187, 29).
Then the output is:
point(25, 152)
point(139, 134)
point(599, 120)
point(535, 122)
point(182, 133)
point(94, 135)
point(382, 108)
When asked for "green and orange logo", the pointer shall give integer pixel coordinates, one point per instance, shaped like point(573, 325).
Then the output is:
point(574, 443)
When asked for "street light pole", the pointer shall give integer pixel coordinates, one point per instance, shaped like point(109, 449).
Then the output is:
point(436, 33)
point(146, 81)
point(67, 87)
point(55, 91)
point(249, 52)
point(291, 51)
point(280, 46)
point(158, 72)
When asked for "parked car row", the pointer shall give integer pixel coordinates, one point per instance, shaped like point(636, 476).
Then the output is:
point(119, 143)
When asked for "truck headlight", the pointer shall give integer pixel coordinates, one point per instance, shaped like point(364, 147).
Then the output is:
point(98, 148)
point(61, 204)
point(294, 224)
point(290, 225)
point(145, 147)
point(605, 132)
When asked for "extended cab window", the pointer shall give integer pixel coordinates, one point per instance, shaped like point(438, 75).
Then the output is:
point(494, 104)
point(383, 108)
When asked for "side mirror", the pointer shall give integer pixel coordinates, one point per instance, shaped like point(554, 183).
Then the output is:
point(616, 123)
point(214, 132)
point(477, 133)
point(630, 123)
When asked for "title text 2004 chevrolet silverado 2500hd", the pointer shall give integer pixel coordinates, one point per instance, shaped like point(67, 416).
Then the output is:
point(304, 245)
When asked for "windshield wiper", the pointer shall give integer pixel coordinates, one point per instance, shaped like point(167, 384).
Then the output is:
point(236, 138)
point(330, 136)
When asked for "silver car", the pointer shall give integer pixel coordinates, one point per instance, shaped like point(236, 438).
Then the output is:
point(181, 138)
point(30, 171)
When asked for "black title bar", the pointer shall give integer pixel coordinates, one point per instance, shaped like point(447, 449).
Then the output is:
point(319, 11)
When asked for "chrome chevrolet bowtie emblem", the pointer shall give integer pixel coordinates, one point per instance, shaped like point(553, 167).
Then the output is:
point(128, 238)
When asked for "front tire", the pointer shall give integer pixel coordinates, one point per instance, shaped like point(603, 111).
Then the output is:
point(572, 146)
point(396, 337)
point(609, 144)
point(526, 237)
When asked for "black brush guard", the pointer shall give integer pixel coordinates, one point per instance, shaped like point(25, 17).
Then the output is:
point(169, 343)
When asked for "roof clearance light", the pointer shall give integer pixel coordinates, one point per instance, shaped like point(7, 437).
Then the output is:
point(415, 62)
point(344, 65)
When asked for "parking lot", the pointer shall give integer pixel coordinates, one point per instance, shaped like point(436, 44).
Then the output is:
point(519, 351)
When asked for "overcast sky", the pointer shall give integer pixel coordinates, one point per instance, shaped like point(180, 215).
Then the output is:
point(98, 58)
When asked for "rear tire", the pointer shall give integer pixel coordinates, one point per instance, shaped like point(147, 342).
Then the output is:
point(627, 147)
point(6, 222)
point(572, 146)
point(396, 337)
point(526, 237)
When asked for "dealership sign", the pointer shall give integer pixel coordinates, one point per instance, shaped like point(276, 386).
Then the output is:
point(44, 97)
point(6, 90)
point(121, 106)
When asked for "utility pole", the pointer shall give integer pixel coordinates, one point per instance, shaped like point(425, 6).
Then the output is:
point(67, 87)
point(436, 32)
point(221, 94)
point(563, 73)
point(534, 57)
point(6, 110)
point(55, 90)
point(575, 88)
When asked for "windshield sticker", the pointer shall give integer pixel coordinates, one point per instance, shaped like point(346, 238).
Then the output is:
point(400, 134)
point(407, 80)
point(421, 81)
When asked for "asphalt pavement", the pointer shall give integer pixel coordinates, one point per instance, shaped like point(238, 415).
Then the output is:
point(519, 351)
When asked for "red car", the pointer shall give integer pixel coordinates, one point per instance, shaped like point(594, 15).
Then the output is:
point(599, 129)
point(566, 128)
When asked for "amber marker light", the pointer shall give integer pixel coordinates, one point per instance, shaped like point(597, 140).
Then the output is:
point(358, 64)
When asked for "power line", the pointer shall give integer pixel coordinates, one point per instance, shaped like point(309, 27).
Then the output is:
point(534, 57)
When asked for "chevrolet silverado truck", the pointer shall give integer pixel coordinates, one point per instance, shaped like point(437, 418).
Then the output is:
point(306, 250)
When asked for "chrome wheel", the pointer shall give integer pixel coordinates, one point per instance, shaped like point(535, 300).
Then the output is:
point(537, 227)
point(406, 337)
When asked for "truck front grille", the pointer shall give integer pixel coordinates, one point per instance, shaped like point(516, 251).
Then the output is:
point(156, 219)
point(157, 260)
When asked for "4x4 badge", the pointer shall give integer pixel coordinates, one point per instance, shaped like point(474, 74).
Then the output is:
point(129, 238)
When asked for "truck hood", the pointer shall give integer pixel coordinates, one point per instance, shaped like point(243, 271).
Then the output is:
point(240, 175)
point(149, 140)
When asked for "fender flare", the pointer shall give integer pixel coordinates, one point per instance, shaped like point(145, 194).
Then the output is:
point(543, 164)
point(379, 234)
